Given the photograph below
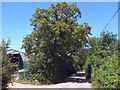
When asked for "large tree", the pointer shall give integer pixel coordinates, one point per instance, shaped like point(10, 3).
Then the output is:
point(56, 38)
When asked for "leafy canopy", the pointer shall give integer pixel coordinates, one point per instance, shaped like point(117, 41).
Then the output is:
point(55, 40)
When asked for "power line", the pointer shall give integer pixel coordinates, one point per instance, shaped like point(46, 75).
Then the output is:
point(111, 19)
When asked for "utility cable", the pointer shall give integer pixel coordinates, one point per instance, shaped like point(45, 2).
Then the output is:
point(111, 19)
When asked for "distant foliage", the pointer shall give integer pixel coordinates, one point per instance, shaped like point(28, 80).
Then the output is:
point(79, 59)
point(54, 47)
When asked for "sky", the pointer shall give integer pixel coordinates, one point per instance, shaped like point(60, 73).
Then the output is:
point(16, 15)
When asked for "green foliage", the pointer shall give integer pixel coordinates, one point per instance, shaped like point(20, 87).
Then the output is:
point(55, 41)
point(79, 58)
point(7, 66)
point(106, 75)
point(87, 67)
point(102, 61)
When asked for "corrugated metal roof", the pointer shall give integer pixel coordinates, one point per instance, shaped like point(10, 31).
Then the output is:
point(12, 51)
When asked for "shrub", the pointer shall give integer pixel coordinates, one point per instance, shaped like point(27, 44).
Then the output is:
point(106, 75)
point(7, 66)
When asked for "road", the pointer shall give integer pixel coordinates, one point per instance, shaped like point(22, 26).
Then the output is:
point(74, 81)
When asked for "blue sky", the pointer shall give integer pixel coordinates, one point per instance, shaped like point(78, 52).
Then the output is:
point(16, 23)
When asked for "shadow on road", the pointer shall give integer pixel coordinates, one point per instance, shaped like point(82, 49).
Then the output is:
point(78, 77)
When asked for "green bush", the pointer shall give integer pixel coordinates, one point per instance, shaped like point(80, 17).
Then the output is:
point(52, 72)
point(104, 72)
point(102, 56)
point(106, 75)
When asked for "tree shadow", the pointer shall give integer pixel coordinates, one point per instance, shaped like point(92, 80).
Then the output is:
point(78, 77)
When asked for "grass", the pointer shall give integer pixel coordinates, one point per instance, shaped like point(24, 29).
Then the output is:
point(33, 82)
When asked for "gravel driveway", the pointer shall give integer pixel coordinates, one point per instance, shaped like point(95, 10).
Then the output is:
point(74, 81)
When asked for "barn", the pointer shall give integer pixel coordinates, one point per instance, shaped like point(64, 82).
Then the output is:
point(21, 61)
